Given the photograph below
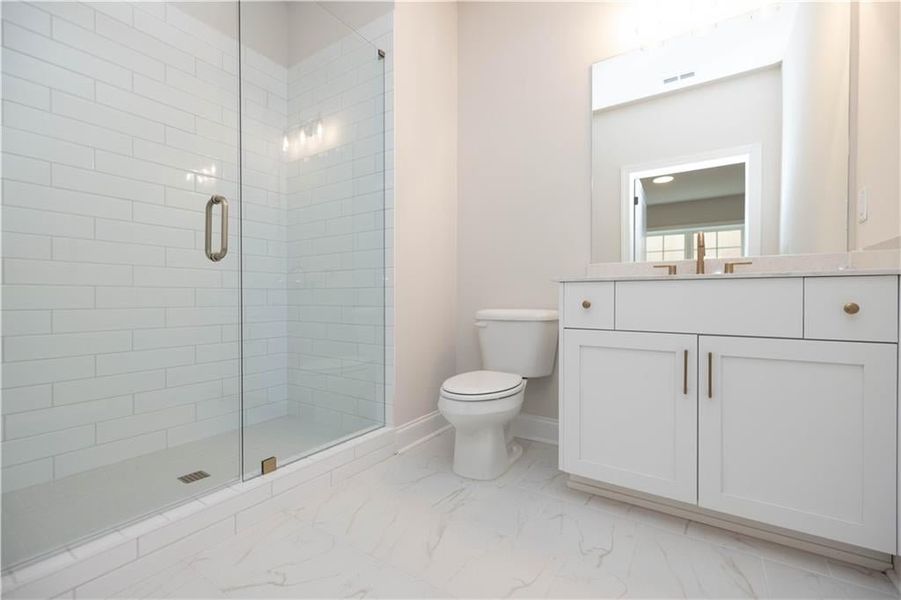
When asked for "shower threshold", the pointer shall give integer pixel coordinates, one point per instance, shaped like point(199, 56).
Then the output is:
point(52, 516)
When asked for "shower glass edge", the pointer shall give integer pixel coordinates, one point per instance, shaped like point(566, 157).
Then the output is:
point(320, 379)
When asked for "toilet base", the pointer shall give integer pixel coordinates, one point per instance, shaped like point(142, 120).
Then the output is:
point(483, 442)
point(484, 459)
point(514, 453)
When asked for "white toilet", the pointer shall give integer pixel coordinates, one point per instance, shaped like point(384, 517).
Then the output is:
point(516, 344)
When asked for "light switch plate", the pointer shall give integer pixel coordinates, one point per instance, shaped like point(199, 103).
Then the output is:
point(862, 205)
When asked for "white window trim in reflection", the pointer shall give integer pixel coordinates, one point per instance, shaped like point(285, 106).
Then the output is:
point(688, 245)
point(749, 155)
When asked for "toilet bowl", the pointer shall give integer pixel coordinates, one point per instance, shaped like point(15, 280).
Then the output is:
point(481, 405)
point(516, 344)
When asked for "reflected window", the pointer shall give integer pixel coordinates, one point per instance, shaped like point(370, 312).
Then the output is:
point(661, 246)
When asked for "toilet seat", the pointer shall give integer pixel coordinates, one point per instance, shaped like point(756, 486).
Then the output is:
point(479, 386)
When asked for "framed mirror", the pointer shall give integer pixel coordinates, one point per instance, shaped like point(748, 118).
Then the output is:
point(752, 128)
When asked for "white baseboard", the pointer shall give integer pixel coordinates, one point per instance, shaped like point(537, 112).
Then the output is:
point(525, 426)
point(535, 428)
point(419, 430)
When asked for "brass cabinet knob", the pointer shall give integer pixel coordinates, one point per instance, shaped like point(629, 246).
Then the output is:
point(852, 308)
point(586, 304)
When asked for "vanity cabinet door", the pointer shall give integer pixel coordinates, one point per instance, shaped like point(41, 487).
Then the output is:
point(800, 434)
point(629, 410)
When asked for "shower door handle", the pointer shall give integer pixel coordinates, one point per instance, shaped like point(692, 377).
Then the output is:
point(223, 243)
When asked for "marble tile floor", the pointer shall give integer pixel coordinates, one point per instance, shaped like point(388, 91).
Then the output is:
point(410, 528)
point(49, 516)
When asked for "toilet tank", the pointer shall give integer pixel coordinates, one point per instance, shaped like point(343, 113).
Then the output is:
point(518, 340)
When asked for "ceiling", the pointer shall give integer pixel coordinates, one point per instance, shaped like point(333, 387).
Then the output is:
point(285, 31)
point(728, 180)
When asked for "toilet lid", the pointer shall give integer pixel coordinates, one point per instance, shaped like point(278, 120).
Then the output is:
point(480, 383)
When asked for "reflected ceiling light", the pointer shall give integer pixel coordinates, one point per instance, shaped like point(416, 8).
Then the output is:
point(663, 179)
point(310, 131)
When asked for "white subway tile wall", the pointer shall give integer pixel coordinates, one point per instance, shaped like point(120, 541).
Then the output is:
point(338, 224)
point(120, 338)
point(264, 270)
point(119, 122)
point(109, 303)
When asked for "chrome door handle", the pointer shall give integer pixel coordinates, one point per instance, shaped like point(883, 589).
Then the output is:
point(223, 243)
point(710, 374)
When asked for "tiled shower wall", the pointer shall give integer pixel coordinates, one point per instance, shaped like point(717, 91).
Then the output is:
point(120, 337)
point(336, 229)
point(264, 86)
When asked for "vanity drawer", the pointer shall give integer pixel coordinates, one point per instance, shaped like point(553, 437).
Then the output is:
point(830, 302)
point(588, 305)
point(765, 307)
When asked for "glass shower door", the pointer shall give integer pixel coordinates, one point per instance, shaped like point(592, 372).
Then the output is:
point(121, 304)
point(313, 189)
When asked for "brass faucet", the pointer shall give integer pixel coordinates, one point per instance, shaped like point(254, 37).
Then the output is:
point(701, 253)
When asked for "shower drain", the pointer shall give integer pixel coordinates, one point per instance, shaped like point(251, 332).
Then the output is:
point(195, 476)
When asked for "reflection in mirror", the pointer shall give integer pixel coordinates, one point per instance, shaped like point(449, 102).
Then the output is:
point(761, 120)
point(676, 206)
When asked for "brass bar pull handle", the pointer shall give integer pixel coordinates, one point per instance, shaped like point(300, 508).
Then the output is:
point(710, 374)
point(730, 266)
point(685, 373)
point(208, 238)
point(670, 269)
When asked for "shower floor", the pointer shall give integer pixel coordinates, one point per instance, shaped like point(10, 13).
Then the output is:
point(50, 516)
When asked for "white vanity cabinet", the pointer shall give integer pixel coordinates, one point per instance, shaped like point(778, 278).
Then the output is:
point(789, 423)
point(800, 434)
point(632, 412)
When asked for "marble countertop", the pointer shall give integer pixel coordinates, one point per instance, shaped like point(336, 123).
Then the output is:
point(838, 264)
point(850, 272)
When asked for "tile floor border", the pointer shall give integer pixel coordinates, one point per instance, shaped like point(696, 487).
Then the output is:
point(164, 537)
point(408, 527)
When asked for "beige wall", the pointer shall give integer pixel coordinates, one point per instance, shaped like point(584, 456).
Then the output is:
point(877, 141)
point(523, 169)
point(691, 213)
point(684, 123)
point(525, 158)
point(425, 66)
point(815, 144)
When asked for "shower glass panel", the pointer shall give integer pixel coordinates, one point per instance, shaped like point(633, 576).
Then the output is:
point(313, 190)
point(140, 347)
point(121, 337)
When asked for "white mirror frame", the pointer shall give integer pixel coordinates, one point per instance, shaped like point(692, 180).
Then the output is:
point(749, 155)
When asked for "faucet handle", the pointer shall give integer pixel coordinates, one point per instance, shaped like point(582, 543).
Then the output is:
point(670, 269)
point(730, 266)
